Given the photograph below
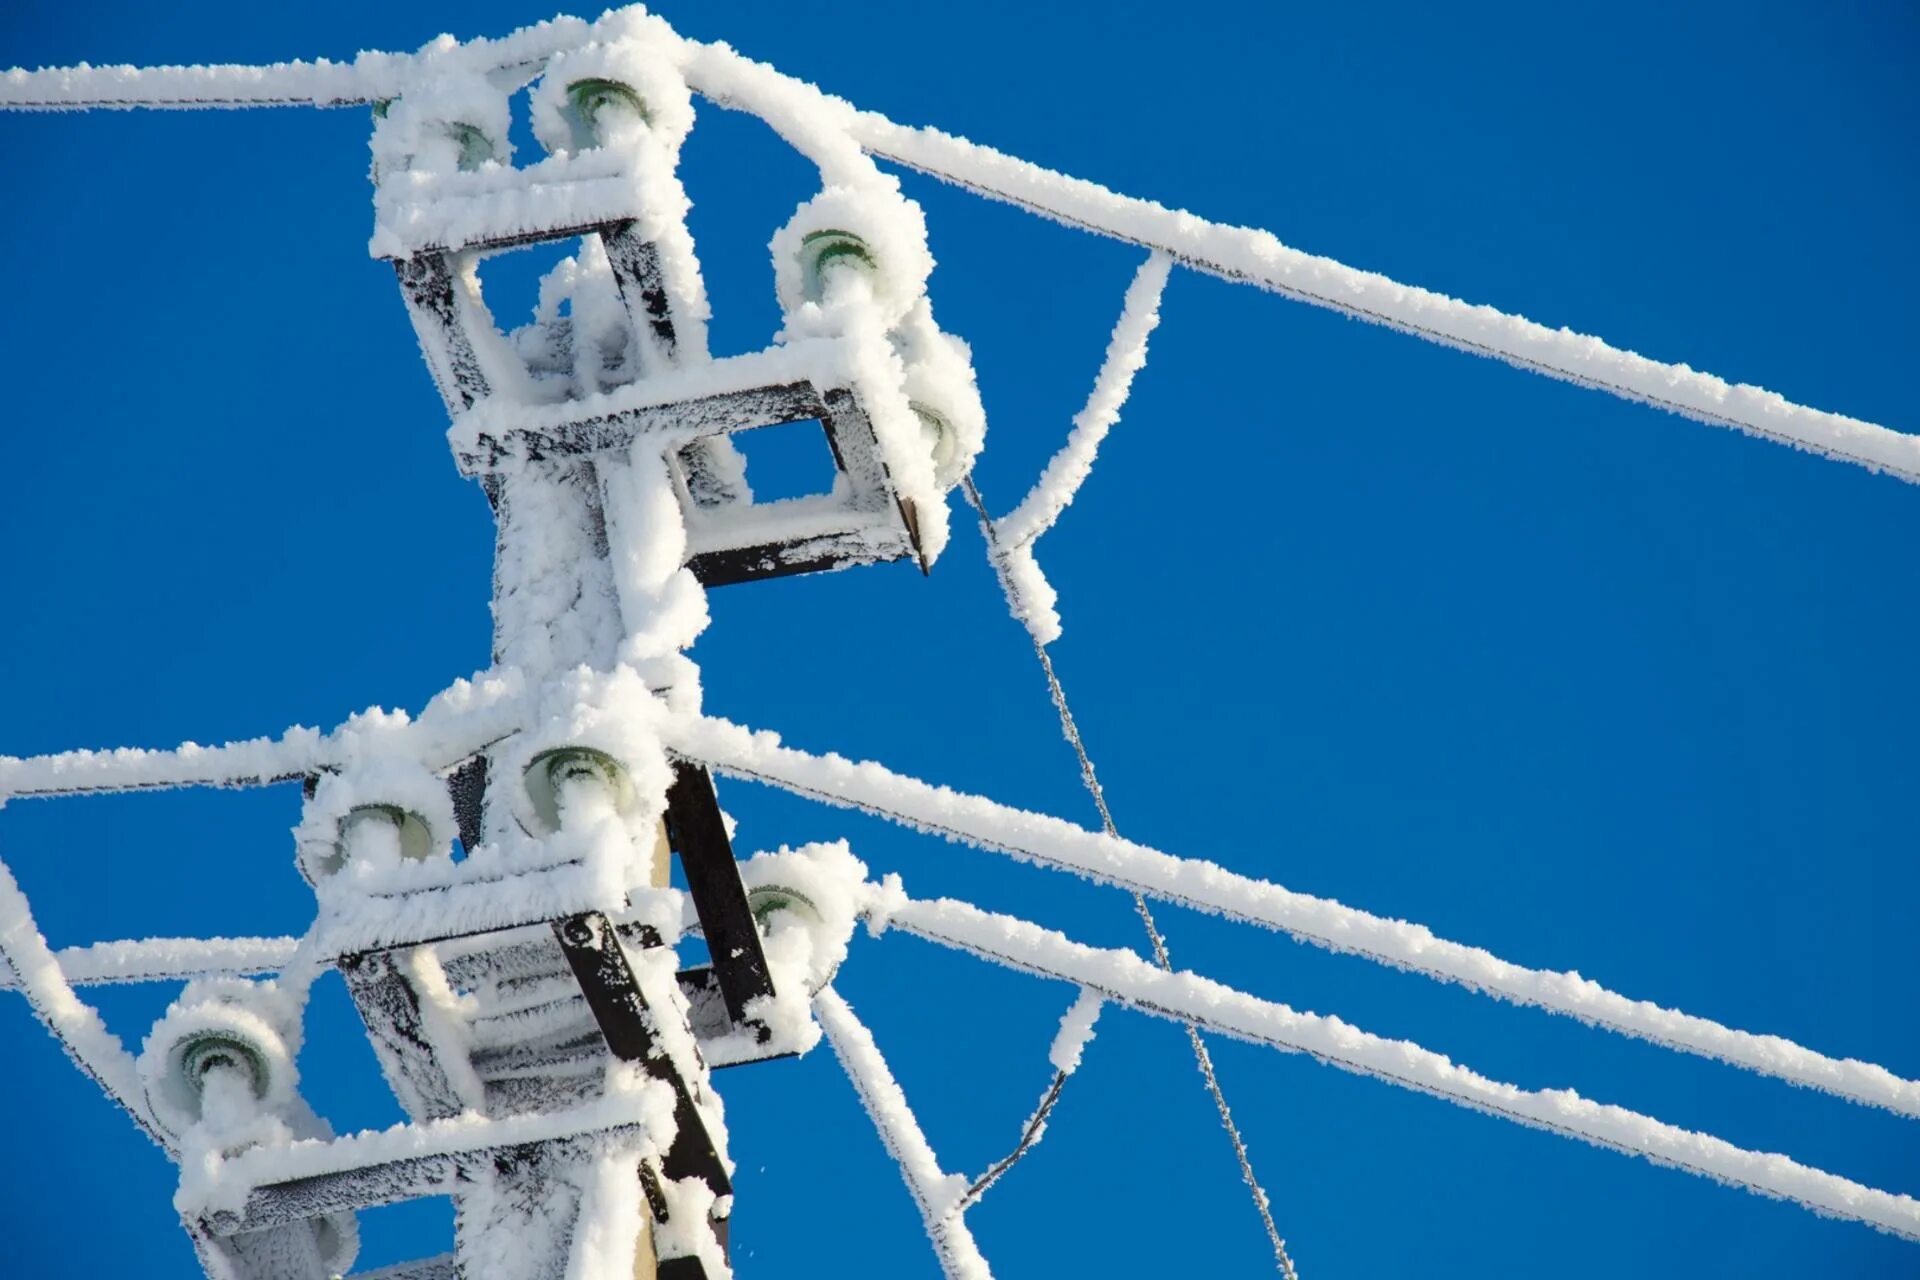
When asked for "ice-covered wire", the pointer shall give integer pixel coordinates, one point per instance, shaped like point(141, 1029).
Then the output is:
point(937, 1195)
point(1053, 842)
point(1126, 979)
point(371, 77)
point(254, 763)
point(1252, 256)
point(70, 1020)
point(1240, 254)
point(1091, 779)
point(1030, 1135)
point(165, 960)
point(1068, 469)
point(1076, 1028)
point(467, 718)
point(1010, 542)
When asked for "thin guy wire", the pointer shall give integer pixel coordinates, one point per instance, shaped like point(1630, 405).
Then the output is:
point(1029, 1139)
point(1071, 729)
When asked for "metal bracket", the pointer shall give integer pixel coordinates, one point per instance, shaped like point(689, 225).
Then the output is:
point(390, 1008)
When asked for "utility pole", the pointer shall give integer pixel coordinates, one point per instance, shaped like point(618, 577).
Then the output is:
point(555, 1068)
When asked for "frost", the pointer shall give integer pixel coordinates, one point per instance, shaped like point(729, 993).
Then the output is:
point(938, 1195)
point(1029, 593)
point(74, 1023)
point(1076, 1029)
point(1127, 979)
point(1209, 887)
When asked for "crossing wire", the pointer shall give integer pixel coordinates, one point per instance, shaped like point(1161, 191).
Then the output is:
point(1091, 779)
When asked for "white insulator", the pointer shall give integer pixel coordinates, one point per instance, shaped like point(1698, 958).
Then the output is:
point(767, 900)
point(828, 251)
point(604, 719)
point(570, 786)
point(227, 1041)
point(942, 442)
point(593, 96)
point(385, 832)
point(380, 814)
point(457, 122)
point(942, 392)
point(805, 903)
point(873, 232)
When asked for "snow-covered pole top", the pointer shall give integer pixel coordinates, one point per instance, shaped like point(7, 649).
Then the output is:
point(1242, 254)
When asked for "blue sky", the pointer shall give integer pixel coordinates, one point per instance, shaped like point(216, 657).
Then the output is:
point(1563, 677)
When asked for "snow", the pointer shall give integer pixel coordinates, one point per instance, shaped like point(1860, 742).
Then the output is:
point(1029, 594)
point(494, 425)
point(162, 959)
point(464, 718)
point(649, 147)
point(613, 1218)
point(1076, 1030)
point(330, 835)
point(825, 886)
point(71, 1021)
point(1126, 355)
point(889, 225)
point(1053, 842)
point(663, 608)
point(443, 1024)
point(940, 380)
point(371, 77)
point(633, 1105)
point(1248, 255)
point(937, 1195)
point(418, 134)
point(1187, 997)
point(259, 1016)
point(259, 760)
point(368, 78)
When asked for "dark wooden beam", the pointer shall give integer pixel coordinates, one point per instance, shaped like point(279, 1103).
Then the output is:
point(627, 1023)
point(698, 834)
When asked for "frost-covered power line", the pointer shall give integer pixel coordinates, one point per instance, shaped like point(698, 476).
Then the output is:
point(1233, 253)
point(162, 959)
point(1206, 886)
point(1127, 979)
